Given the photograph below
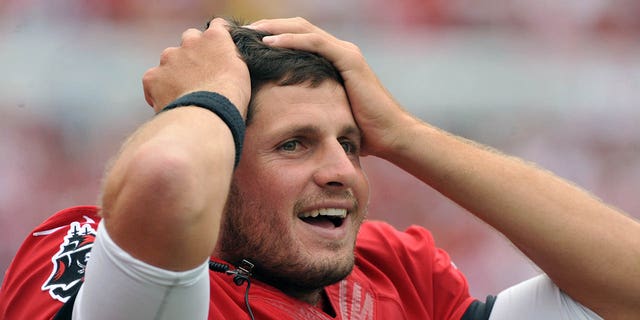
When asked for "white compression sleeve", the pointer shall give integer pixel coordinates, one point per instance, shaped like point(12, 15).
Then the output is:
point(538, 298)
point(118, 286)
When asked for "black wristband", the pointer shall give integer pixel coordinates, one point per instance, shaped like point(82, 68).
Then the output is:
point(222, 107)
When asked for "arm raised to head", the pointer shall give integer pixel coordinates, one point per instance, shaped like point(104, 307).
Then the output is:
point(165, 191)
point(589, 249)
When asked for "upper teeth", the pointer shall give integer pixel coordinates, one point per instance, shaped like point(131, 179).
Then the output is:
point(331, 212)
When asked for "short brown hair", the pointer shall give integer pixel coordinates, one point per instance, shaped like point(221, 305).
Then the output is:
point(281, 66)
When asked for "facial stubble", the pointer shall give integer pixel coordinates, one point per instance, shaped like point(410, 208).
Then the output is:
point(249, 231)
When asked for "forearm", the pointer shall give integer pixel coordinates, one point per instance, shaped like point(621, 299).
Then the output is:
point(589, 249)
point(163, 196)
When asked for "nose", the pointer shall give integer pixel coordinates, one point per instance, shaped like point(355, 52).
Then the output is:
point(336, 169)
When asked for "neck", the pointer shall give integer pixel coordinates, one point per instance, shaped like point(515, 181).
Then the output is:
point(325, 305)
point(314, 297)
point(317, 298)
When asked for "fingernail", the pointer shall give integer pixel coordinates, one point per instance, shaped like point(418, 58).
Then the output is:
point(269, 39)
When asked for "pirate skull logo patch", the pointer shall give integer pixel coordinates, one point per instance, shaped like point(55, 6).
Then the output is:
point(69, 263)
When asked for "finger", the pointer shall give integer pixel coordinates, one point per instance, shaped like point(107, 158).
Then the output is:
point(217, 23)
point(217, 27)
point(167, 54)
point(344, 55)
point(311, 42)
point(287, 25)
point(189, 36)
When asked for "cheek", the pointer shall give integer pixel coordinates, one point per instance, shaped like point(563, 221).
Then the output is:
point(363, 189)
point(281, 193)
point(272, 189)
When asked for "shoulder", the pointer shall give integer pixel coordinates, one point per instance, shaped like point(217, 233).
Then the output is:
point(414, 248)
point(409, 264)
point(64, 220)
point(378, 237)
point(49, 266)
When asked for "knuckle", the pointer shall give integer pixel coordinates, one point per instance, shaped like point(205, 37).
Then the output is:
point(213, 32)
point(188, 41)
point(352, 49)
point(219, 21)
point(190, 35)
point(304, 22)
point(149, 78)
point(166, 55)
point(355, 49)
point(300, 19)
point(149, 75)
point(316, 40)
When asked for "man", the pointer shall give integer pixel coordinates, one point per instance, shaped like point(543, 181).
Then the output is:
point(293, 204)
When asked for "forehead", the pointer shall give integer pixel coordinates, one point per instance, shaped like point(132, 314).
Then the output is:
point(285, 105)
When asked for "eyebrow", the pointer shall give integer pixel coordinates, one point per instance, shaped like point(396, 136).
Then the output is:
point(351, 131)
point(312, 130)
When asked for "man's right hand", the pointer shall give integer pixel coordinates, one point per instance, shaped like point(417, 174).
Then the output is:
point(205, 61)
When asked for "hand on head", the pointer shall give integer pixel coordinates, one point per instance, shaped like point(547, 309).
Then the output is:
point(204, 61)
point(377, 114)
point(209, 61)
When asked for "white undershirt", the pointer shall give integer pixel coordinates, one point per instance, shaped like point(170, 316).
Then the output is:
point(538, 298)
point(118, 286)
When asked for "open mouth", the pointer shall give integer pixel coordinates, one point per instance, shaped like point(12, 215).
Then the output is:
point(325, 222)
point(325, 218)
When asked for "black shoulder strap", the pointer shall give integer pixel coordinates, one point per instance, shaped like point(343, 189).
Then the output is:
point(479, 310)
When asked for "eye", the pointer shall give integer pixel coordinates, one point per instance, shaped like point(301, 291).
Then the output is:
point(349, 147)
point(290, 145)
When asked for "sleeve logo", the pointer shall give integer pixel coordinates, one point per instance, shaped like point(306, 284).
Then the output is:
point(70, 261)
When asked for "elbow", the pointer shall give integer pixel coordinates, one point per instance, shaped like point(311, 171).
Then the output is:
point(156, 182)
point(154, 207)
point(164, 172)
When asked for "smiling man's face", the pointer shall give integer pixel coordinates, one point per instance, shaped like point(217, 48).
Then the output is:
point(299, 194)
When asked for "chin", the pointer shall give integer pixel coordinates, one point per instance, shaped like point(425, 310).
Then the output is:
point(306, 276)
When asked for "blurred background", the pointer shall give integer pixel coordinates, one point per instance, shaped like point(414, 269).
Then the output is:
point(554, 82)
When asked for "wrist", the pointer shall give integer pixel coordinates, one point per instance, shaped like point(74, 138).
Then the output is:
point(399, 137)
point(222, 107)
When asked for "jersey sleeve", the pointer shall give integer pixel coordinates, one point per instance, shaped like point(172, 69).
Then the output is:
point(428, 284)
point(48, 269)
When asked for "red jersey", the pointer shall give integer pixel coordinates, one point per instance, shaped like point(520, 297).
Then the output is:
point(397, 275)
